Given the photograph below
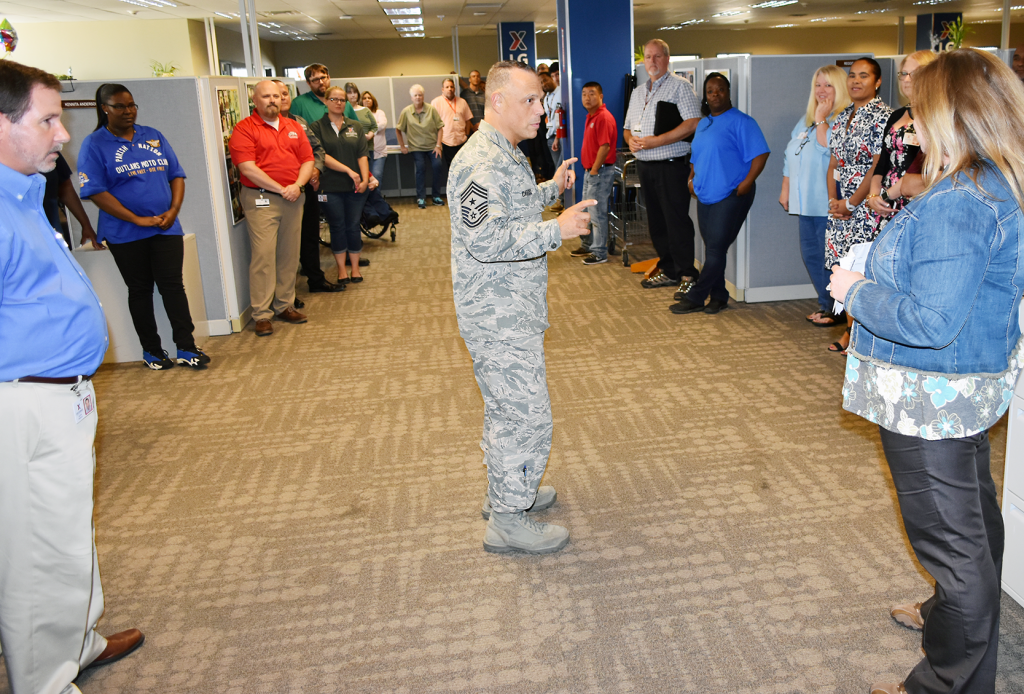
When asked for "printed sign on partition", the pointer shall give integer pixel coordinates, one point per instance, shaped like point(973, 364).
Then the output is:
point(517, 41)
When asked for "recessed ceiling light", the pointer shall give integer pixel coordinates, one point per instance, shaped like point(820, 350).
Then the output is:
point(345, 16)
point(398, 22)
point(418, 35)
point(824, 19)
point(479, 14)
point(773, 3)
point(727, 13)
point(391, 11)
point(783, 26)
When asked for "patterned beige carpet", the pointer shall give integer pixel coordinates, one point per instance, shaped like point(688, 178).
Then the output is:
point(305, 515)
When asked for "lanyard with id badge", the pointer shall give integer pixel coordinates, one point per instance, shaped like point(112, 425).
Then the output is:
point(85, 403)
point(262, 201)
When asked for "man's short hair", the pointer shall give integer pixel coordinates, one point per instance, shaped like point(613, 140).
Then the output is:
point(661, 44)
point(553, 68)
point(416, 88)
point(472, 71)
point(446, 80)
point(500, 76)
point(16, 84)
point(595, 85)
point(315, 67)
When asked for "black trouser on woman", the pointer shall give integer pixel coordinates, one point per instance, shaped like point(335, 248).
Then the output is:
point(720, 224)
point(155, 259)
point(949, 508)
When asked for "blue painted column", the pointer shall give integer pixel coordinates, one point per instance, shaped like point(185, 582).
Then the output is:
point(595, 44)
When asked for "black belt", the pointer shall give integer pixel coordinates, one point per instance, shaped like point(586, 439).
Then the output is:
point(684, 158)
point(263, 190)
point(64, 381)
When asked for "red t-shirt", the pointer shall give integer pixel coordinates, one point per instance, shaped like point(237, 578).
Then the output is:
point(600, 129)
point(279, 152)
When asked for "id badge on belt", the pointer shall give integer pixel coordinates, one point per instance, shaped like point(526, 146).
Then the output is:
point(85, 404)
point(262, 201)
point(322, 197)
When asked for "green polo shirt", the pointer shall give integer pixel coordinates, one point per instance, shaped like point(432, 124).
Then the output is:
point(420, 129)
point(310, 107)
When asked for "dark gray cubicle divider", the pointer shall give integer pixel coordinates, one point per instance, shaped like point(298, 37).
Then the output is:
point(779, 87)
point(171, 105)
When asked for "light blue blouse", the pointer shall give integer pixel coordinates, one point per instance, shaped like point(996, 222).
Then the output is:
point(807, 170)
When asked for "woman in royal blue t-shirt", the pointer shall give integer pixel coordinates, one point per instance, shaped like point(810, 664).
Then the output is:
point(728, 153)
point(133, 176)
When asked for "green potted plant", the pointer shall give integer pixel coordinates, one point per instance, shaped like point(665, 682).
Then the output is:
point(163, 69)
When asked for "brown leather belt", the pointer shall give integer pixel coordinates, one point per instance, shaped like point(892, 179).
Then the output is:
point(65, 381)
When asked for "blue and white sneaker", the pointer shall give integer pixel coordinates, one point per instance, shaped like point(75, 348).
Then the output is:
point(193, 357)
point(158, 362)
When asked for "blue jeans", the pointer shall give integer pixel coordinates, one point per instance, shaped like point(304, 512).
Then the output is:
point(437, 167)
point(599, 188)
point(343, 211)
point(720, 224)
point(377, 169)
point(812, 248)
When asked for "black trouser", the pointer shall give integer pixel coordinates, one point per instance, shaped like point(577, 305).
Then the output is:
point(719, 226)
point(667, 197)
point(309, 243)
point(156, 259)
point(951, 515)
point(448, 153)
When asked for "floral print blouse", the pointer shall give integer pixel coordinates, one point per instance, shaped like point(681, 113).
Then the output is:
point(854, 150)
point(928, 406)
point(899, 149)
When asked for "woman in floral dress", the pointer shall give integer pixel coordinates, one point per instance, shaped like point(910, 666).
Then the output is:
point(856, 143)
point(896, 177)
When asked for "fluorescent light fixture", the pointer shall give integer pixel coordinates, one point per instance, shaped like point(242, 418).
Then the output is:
point(773, 3)
point(392, 11)
point(783, 26)
point(933, 2)
point(399, 22)
point(1016, 7)
point(416, 35)
point(415, 28)
point(153, 4)
point(727, 13)
point(826, 19)
point(732, 55)
point(345, 16)
point(233, 15)
point(884, 9)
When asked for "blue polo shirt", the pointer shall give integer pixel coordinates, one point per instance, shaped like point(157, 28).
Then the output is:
point(51, 321)
point(137, 173)
point(723, 148)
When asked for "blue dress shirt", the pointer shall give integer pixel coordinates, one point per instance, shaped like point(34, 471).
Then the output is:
point(806, 166)
point(137, 173)
point(51, 321)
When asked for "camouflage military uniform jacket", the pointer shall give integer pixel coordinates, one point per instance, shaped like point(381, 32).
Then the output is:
point(499, 239)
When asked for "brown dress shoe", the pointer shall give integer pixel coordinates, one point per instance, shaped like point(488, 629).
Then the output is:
point(909, 616)
point(264, 328)
point(888, 688)
point(118, 646)
point(290, 315)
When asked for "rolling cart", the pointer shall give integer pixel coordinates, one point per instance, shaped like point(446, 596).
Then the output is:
point(627, 215)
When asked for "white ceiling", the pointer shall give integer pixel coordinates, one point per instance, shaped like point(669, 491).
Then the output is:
point(305, 19)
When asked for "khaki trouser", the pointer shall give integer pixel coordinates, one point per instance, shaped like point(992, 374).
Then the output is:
point(50, 594)
point(275, 235)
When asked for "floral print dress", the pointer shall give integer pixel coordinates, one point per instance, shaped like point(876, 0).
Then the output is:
point(899, 150)
point(854, 150)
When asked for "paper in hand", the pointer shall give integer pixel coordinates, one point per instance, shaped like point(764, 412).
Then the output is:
point(854, 261)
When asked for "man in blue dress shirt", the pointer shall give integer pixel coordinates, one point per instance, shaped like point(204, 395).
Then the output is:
point(53, 336)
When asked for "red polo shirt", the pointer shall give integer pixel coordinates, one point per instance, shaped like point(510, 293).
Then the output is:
point(600, 129)
point(279, 152)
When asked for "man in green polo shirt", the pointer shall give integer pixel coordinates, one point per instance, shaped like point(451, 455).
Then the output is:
point(312, 106)
point(419, 131)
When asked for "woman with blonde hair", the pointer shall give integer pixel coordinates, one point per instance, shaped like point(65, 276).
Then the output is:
point(803, 179)
point(935, 355)
point(899, 162)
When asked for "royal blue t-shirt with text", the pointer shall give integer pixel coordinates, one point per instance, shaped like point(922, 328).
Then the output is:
point(137, 173)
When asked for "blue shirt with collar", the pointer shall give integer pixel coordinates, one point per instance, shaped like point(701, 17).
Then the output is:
point(51, 321)
point(137, 173)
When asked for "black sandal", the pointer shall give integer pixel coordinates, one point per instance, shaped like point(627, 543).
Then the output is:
point(837, 347)
point(833, 320)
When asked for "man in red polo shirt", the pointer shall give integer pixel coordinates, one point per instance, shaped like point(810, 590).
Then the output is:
point(600, 138)
point(275, 160)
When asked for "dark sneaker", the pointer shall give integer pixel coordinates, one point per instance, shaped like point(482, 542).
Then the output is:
point(580, 252)
point(422, 203)
point(684, 286)
point(437, 200)
point(594, 260)
point(194, 357)
point(686, 305)
point(658, 280)
point(158, 362)
point(714, 306)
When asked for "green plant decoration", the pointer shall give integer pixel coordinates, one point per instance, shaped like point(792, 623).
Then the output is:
point(638, 54)
point(163, 69)
point(956, 33)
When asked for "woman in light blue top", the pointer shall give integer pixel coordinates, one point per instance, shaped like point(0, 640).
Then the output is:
point(803, 179)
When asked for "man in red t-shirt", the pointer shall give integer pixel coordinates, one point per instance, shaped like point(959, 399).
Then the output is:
point(275, 161)
point(600, 138)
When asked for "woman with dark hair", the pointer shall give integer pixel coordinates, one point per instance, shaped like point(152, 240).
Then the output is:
point(133, 176)
point(856, 143)
point(363, 114)
point(936, 353)
point(380, 142)
point(728, 154)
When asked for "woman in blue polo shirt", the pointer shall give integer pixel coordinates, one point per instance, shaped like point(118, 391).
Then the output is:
point(728, 154)
point(133, 176)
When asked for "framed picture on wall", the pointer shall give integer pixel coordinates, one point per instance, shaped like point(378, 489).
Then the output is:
point(230, 115)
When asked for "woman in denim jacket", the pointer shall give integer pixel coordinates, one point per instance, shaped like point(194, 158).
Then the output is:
point(934, 356)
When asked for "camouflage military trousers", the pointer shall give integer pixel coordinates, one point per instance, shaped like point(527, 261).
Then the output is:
point(517, 418)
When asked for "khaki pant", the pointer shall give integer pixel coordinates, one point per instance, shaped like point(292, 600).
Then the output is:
point(275, 235)
point(50, 594)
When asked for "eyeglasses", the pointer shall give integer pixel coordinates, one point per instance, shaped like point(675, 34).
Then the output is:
point(336, 100)
point(322, 78)
point(905, 75)
point(121, 108)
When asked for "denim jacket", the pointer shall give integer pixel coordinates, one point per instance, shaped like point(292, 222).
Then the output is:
point(944, 281)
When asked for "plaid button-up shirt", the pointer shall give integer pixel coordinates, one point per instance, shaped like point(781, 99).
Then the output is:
point(643, 106)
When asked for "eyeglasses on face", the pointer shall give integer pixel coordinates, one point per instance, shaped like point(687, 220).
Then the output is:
point(121, 108)
point(903, 75)
point(336, 100)
point(321, 78)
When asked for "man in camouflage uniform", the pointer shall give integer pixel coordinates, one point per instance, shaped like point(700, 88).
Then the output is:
point(500, 276)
